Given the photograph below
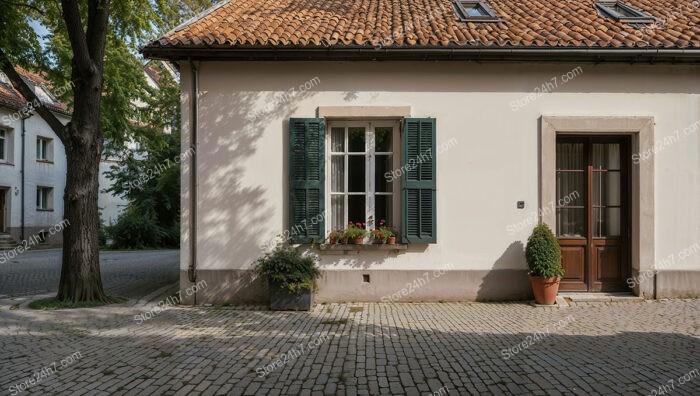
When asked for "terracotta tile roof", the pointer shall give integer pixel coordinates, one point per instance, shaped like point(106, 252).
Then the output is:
point(434, 24)
point(11, 98)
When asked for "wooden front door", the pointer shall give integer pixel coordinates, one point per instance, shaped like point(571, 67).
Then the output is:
point(593, 212)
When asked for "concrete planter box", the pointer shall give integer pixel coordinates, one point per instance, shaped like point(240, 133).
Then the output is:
point(282, 300)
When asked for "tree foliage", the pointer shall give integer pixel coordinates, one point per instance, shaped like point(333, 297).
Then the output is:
point(543, 254)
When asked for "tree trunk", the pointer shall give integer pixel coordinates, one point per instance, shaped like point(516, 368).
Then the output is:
point(80, 271)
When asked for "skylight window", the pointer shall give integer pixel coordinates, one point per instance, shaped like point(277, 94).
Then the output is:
point(623, 13)
point(474, 11)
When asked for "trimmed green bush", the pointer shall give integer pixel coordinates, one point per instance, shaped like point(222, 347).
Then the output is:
point(289, 268)
point(543, 254)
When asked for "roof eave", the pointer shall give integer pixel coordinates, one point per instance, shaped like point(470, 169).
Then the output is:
point(519, 54)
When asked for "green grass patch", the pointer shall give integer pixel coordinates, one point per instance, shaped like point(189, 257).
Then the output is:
point(50, 304)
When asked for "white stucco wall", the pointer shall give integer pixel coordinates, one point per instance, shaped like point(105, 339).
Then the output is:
point(242, 197)
point(37, 174)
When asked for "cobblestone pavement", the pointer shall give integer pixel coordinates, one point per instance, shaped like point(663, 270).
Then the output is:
point(629, 348)
point(128, 274)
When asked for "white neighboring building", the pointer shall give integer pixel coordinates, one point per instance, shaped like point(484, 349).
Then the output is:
point(31, 205)
point(111, 205)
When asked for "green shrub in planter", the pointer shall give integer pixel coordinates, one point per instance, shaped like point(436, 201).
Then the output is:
point(543, 254)
point(287, 268)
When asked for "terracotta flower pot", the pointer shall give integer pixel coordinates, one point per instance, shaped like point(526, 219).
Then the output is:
point(344, 241)
point(545, 289)
point(358, 240)
point(391, 240)
point(332, 241)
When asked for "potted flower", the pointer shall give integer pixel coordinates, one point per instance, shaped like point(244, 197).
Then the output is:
point(291, 277)
point(543, 257)
point(389, 232)
point(336, 236)
point(356, 233)
point(379, 235)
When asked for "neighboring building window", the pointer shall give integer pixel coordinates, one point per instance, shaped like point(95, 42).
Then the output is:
point(44, 198)
point(623, 13)
point(3, 145)
point(361, 163)
point(474, 11)
point(44, 149)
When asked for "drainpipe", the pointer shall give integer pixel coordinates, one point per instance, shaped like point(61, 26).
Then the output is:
point(22, 172)
point(192, 270)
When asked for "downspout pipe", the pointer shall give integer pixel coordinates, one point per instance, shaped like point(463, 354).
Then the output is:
point(23, 169)
point(192, 270)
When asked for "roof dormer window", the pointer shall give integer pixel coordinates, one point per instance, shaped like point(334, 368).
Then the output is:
point(474, 11)
point(623, 13)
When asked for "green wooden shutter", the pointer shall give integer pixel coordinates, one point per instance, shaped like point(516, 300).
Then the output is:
point(418, 181)
point(306, 179)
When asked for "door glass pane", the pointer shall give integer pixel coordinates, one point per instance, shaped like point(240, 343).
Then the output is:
point(571, 188)
point(356, 209)
point(382, 170)
point(356, 173)
point(606, 222)
point(338, 212)
point(337, 173)
point(570, 156)
point(338, 140)
point(382, 139)
point(383, 209)
point(606, 156)
point(571, 222)
point(356, 140)
point(606, 188)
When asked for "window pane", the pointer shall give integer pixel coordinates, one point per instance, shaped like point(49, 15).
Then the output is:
point(571, 188)
point(338, 140)
point(383, 139)
point(606, 156)
point(38, 149)
point(606, 188)
point(338, 173)
point(383, 173)
point(356, 140)
point(475, 10)
point(38, 198)
point(338, 212)
point(2, 148)
point(571, 222)
point(356, 173)
point(606, 221)
point(383, 209)
point(356, 209)
point(570, 156)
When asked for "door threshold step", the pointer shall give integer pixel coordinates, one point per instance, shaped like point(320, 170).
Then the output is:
point(600, 297)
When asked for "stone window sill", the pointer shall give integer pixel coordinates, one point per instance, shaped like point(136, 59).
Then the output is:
point(355, 249)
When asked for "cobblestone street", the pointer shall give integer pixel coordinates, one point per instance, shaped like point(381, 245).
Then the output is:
point(457, 348)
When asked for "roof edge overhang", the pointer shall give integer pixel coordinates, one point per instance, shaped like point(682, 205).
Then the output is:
point(513, 54)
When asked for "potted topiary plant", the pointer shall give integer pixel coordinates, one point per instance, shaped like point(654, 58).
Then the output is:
point(291, 277)
point(543, 257)
point(356, 233)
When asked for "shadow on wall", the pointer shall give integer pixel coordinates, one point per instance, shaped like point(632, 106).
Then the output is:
point(238, 225)
point(618, 363)
point(508, 277)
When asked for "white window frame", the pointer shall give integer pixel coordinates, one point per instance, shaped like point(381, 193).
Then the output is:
point(5, 144)
point(370, 169)
point(44, 198)
point(46, 149)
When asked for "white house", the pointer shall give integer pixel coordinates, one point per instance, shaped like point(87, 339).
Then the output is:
point(32, 164)
point(461, 123)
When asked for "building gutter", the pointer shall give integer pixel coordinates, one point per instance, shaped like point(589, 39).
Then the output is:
point(379, 53)
point(192, 270)
point(23, 169)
